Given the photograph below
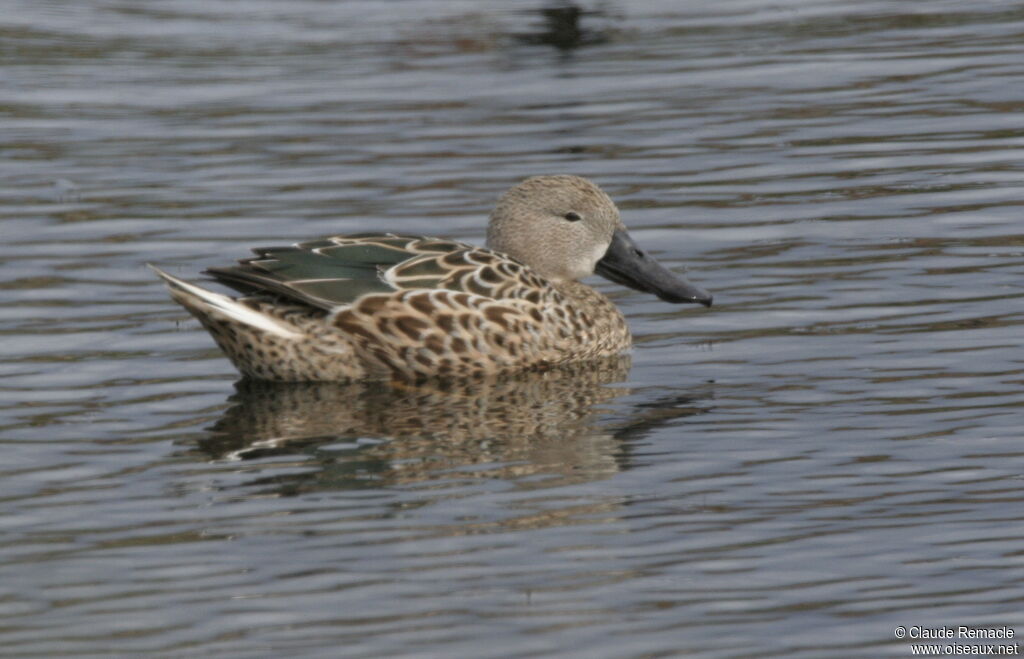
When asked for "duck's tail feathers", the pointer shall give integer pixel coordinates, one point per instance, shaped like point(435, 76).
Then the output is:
point(203, 303)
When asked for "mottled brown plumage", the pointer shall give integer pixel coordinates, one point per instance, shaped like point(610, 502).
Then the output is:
point(380, 306)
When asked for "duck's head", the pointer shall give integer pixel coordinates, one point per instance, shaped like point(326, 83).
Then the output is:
point(566, 228)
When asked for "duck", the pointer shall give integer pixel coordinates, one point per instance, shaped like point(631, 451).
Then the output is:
point(390, 306)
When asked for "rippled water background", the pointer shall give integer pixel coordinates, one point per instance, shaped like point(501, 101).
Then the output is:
point(834, 449)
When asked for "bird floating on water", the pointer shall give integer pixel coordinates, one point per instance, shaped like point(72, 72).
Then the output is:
point(389, 306)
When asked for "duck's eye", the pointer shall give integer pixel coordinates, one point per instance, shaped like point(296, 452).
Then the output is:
point(573, 216)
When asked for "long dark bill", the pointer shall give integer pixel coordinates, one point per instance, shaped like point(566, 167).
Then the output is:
point(626, 264)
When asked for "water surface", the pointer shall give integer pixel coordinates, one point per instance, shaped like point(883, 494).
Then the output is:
point(831, 451)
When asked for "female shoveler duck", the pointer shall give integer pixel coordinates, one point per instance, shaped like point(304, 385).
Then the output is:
point(384, 306)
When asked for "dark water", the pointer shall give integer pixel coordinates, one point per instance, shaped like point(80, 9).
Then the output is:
point(831, 451)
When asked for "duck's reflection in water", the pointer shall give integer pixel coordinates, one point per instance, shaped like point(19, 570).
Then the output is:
point(554, 424)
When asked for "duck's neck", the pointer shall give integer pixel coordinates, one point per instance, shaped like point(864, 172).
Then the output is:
point(577, 290)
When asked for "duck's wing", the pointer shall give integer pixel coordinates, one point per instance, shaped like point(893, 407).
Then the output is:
point(334, 272)
point(480, 272)
point(466, 312)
